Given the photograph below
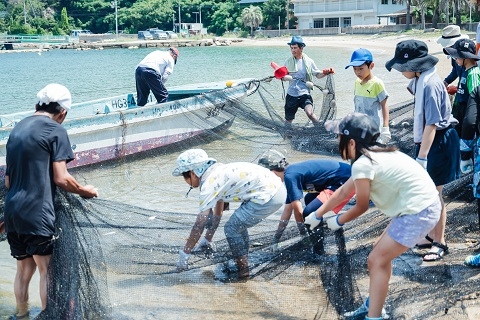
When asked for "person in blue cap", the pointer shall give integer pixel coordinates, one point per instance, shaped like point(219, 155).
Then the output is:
point(370, 96)
point(302, 70)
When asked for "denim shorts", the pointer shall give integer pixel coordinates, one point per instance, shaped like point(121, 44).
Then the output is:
point(409, 229)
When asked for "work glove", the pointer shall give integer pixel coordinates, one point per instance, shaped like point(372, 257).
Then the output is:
point(328, 71)
point(333, 223)
point(287, 78)
point(204, 244)
point(466, 166)
point(309, 85)
point(452, 89)
point(385, 135)
point(422, 162)
point(312, 220)
point(182, 263)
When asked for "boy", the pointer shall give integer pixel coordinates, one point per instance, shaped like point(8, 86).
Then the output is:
point(370, 96)
point(319, 178)
point(463, 51)
point(437, 146)
point(260, 192)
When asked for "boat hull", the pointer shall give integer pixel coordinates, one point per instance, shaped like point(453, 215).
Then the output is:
point(103, 134)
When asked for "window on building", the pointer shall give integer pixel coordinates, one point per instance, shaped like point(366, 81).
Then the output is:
point(394, 1)
point(318, 23)
point(332, 23)
point(384, 1)
point(347, 22)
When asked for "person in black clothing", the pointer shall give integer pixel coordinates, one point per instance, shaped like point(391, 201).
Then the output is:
point(38, 150)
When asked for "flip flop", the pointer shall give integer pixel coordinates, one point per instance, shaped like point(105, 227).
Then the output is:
point(425, 245)
point(439, 252)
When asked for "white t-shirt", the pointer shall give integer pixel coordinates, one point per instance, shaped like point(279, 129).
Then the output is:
point(237, 182)
point(399, 185)
point(160, 61)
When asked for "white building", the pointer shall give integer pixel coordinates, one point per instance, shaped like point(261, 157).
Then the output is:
point(345, 13)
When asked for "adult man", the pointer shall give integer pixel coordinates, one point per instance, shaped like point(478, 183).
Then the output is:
point(318, 177)
point(152, 73)
point(38, 150)
point(260, 192)
point(301, 71)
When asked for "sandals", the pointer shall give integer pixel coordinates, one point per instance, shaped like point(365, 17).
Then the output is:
point(425, 245)
point(439, 252)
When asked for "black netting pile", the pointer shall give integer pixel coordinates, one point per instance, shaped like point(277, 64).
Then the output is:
point(117, 261)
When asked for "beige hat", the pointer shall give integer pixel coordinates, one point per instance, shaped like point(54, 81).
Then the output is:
point(55, 92)
point(450, 34)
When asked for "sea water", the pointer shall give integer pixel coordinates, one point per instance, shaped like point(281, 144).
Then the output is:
point(148, 182)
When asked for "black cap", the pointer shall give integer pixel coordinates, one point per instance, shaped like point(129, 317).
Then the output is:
point(357, 126)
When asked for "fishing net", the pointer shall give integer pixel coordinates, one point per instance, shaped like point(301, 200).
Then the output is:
point(115, 260)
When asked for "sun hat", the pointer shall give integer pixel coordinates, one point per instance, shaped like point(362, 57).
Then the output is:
point(411, 55)
point(463, 49)
point(272, 159)
point(193, 159)
point(357, 126)
point(55, 92)
point(450, 34)
point(297, 40)
point(359, 57)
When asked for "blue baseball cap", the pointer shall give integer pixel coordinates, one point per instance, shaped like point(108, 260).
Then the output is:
point(359, 57)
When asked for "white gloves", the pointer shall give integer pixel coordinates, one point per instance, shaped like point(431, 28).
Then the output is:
point(333, 223)
point(182, 263)
point(287, 78)
point(312, 220)
point(422, 162)
point(385, 135)
point(309, 85)
point(204, 244)
point(466, 166)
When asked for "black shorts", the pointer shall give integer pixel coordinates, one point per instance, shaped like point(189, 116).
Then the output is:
point(293, 103)
point(24, 246)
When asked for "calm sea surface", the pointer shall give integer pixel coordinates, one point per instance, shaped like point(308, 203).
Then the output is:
point(148, 182)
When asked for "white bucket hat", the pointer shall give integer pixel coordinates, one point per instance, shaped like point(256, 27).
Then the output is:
point(55, 92)
point(193, 159)
point(450, 34)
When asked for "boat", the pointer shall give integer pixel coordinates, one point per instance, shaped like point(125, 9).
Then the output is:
point(115, 127)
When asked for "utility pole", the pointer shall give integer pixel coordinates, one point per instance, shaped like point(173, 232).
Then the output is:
point(179, 20)
point(113, 4)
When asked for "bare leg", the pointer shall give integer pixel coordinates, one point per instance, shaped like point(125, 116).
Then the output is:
point(380, 270)
point(310, 114)
point(25, 270)
point(438, 232)
point(42, 263)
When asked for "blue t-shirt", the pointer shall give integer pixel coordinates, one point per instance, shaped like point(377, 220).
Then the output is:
point(34, 143)
point(314, 176)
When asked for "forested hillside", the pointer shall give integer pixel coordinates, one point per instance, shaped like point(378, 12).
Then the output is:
point(59, 17)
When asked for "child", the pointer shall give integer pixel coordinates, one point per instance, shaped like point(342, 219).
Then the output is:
point(437, 146)
point(463, 51)
point(318, 177)
point(370, 94)
point(259, 190)
point(400, 188)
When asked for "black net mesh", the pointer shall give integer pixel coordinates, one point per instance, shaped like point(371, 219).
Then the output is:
point(114, 260)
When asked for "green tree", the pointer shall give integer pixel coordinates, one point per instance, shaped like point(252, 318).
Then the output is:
point(64, 20)
point(272, 9)
point(252, 17)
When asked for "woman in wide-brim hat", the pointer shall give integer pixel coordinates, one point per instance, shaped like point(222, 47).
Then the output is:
point(437, 146)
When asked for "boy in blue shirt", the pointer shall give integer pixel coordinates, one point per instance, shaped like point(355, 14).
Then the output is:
point(370, 96)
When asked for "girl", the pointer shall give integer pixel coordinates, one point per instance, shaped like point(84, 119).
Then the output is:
point(399, 187)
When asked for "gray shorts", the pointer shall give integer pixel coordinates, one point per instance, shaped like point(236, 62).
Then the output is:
point(409, 229)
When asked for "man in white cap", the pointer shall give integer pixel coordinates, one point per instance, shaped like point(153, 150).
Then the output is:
point(260, 192)
point(38, 150)
point(152, 73)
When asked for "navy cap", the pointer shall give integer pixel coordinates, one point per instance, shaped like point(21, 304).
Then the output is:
point(359, 57)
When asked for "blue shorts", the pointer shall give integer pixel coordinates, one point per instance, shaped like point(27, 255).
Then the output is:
point(24, 246)
point(409, 229)
point(293, 103)
point(443, 164)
